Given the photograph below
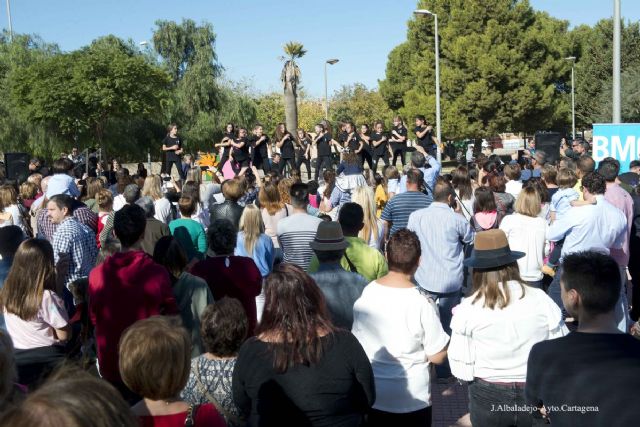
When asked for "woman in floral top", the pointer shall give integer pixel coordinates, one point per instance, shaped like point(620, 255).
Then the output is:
point(223, 328)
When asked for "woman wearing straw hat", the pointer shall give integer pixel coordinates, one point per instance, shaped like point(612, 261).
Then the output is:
point(493, 330)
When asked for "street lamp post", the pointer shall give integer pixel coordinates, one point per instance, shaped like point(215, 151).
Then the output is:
point(9, 18)
point(326, 97)
point(616, 62)
point(573, 96)
point(425, 12)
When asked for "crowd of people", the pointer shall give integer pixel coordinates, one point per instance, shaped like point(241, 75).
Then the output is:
point(256, 299)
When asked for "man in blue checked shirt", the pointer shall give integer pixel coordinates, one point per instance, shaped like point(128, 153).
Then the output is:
point(72, 240)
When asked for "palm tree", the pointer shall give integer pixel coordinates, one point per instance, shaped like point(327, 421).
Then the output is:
point(290, 77)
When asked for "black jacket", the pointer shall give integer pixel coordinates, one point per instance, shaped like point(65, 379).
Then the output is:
point(226, 210)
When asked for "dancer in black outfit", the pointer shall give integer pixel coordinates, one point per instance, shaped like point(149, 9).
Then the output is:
point(303, 151)
point(229, 135)
point(260, 153)
point(284, 141)
point(380, 145)
point(323, 144)
point(367, 151)
point(241, 151)
point(172, 146)
point(424, 133)
point(398, 139)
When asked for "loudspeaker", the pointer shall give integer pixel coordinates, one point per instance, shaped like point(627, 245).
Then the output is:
point(17, 166)
point(549, 142)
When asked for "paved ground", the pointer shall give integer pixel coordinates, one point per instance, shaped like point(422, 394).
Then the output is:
point(450, 405)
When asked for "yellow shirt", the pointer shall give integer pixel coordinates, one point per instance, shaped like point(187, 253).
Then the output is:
point(381, 199)
point(578, 188)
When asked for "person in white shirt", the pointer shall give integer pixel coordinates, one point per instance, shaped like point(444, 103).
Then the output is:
point(399, 329)
point(526, 233)
point(494, 329)
point(513, 172)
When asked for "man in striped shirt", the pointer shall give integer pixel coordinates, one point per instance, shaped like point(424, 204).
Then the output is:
point(397, 210)
point(296, 231)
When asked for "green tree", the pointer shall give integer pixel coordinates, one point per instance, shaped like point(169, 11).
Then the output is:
point(359, 104)
point(502, 68)
point(593, 47)
point(16, 133)
point(270, 111)
point(290, 78)
point(85, 90)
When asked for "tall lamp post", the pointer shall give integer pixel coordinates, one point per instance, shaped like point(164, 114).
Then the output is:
point(573, 96)
point(9, 18)
point(425, 12)
point(326, 97)
point(616, 62)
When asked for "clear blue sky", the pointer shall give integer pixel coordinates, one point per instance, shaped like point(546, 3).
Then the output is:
point(251, 33)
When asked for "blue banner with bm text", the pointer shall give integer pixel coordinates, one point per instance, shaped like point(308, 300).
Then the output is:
point(620, 141)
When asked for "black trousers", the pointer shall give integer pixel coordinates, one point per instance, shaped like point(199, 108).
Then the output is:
point(399, 151)
point(261, 161)
point(420, 418)
point(376, 159)
point(365, 156)
point(322, 162)
point(283, 164)
point(169, 164)
point(302, 160)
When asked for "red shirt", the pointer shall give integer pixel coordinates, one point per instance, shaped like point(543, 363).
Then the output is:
point(125, 288)
point(238, 278)
point(205, 415)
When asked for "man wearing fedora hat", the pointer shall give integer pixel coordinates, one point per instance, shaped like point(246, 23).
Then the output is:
point(341, 288)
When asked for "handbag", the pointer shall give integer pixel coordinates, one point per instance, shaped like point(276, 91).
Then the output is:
point(231, 418)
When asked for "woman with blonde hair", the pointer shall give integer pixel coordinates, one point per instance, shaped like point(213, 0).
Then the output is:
point(252, 240)
point(526, 233)
point(373, 231)
point(153, 188)
point(494, 329)
point(12, 205)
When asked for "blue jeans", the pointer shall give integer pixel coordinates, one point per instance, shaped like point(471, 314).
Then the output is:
point(621, 308)
point(492, 405)
point(445, 303)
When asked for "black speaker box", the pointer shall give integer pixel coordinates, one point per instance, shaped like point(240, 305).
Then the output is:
point(17, 166)
point(549, 142)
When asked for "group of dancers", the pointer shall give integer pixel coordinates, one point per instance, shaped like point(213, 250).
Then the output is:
point(285, 149)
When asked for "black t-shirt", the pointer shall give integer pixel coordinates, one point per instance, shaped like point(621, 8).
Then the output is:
point(262, 150)
point(323, 145)
point(301, 146)
point(241, 154)
point(380, 150)
point(427, 140)
point(583, 371)
point(169, 141)
point(402, 131)
point(342, 137)
point(287, 150)
point(231, 136)
point(336, 391)
point(353, 143)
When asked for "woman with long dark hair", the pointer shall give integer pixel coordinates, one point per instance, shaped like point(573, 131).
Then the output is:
point(299, 369)
point(34, 311)
point(225, 143)
point(485, 212)
point(493, 330)
point(323, 144)
point(463, 187)
point(303, 151)
point(285, 142)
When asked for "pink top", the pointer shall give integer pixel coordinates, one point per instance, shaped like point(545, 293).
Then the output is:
point(205, 415)
point(619, 198)
point(38, 332)
point(271, 222)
